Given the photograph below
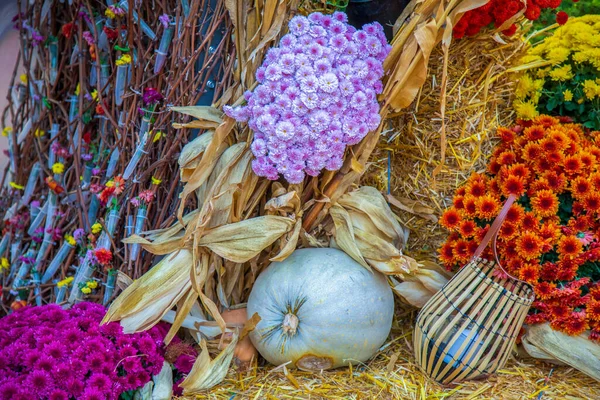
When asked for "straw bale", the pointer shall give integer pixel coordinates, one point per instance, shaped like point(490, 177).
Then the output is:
point(393, 374)
point(479, 93)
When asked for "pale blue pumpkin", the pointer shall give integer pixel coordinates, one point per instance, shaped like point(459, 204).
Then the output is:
point(320, 309)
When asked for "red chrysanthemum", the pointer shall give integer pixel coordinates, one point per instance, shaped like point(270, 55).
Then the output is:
point(562, 17)
point(104, 256)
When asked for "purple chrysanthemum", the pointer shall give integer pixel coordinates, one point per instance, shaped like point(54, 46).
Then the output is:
point(317, 94)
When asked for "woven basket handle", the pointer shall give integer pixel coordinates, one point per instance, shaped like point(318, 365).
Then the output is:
point(492, 234)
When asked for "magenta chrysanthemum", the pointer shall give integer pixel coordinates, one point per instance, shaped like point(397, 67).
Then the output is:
point(50, 353)
point(317, 94)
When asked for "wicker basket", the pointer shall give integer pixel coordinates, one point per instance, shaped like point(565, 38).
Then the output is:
point(467, 329)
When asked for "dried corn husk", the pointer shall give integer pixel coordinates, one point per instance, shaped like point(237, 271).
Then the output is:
point(207, 373)
point(577, 351)
point(366, 229)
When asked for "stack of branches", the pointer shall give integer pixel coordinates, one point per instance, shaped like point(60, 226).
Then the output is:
point(214, 252)
point(80, 103)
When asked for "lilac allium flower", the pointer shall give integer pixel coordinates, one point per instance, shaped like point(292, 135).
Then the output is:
point(89, 38)
point(317, 94)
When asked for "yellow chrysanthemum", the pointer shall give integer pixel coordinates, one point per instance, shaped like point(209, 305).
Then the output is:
point(568, 95)
point(157, 136)
point(561, 74)
point(558, 54)
point(15, 185)
point(156, 181)
point(526, 110)
point(591, 89)
point(110, 183)
point(39, 133)
point(524, 87)
point(65, 282)
point(6, 131)
point(96, 228)
point(123, 60)
point(70, 239)
point(77, 90)
point(58, 168)
point(23, 79)
point(94, 95)
point(92, 284)
point(109, 13)
point(86, 290)
point(4, 264)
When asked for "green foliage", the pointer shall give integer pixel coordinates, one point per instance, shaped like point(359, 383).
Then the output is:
point(574, 9)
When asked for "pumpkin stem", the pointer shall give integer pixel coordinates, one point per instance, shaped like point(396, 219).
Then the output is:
point(290, 324)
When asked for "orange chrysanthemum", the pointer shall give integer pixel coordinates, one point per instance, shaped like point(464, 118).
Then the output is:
point(549, 145)
point(573, 165)
point(592, 202)
point(476, 188)
point(450, 219)
point(549, 231)
point(529, 245)
point(458, 202)
point(534, 133)
point(470, 203)
point(593, 310)
point(545, 203)
point(580, 187)
point(576, 324)
point(507, 157)
point(561, 139)
point(508, 230)
point(555, 181)
point(467, 228)
point(544, 290)
point(513, 185)
point(447, 254)
point(532, 151)
point(530, 222)
point(537, 186)
point(519, 170)
point(555, 157)
point(546, 121)
point(506, 135)
point(543, 164)
point(461, 250)
point(587, 159)
point(569, 247)
point(487, 207)
point(594, 179)
point(559, 311)
point(515, 214)
point(530, 273)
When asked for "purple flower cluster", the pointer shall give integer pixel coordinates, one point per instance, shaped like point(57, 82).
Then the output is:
point(317, 94)
point(50, 353)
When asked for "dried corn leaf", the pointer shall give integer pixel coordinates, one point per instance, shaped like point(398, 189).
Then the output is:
point(577, 351)
point(241, 241)
point(414, 293)
point(344, 234)
point(148, 298)
point(183, 309)
point(290, 243)
point(207, 373)
point(203, 113)
point(369, 201)
point(206, 165)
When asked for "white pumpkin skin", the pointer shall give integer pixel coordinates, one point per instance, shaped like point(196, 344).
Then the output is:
point(320, 309)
